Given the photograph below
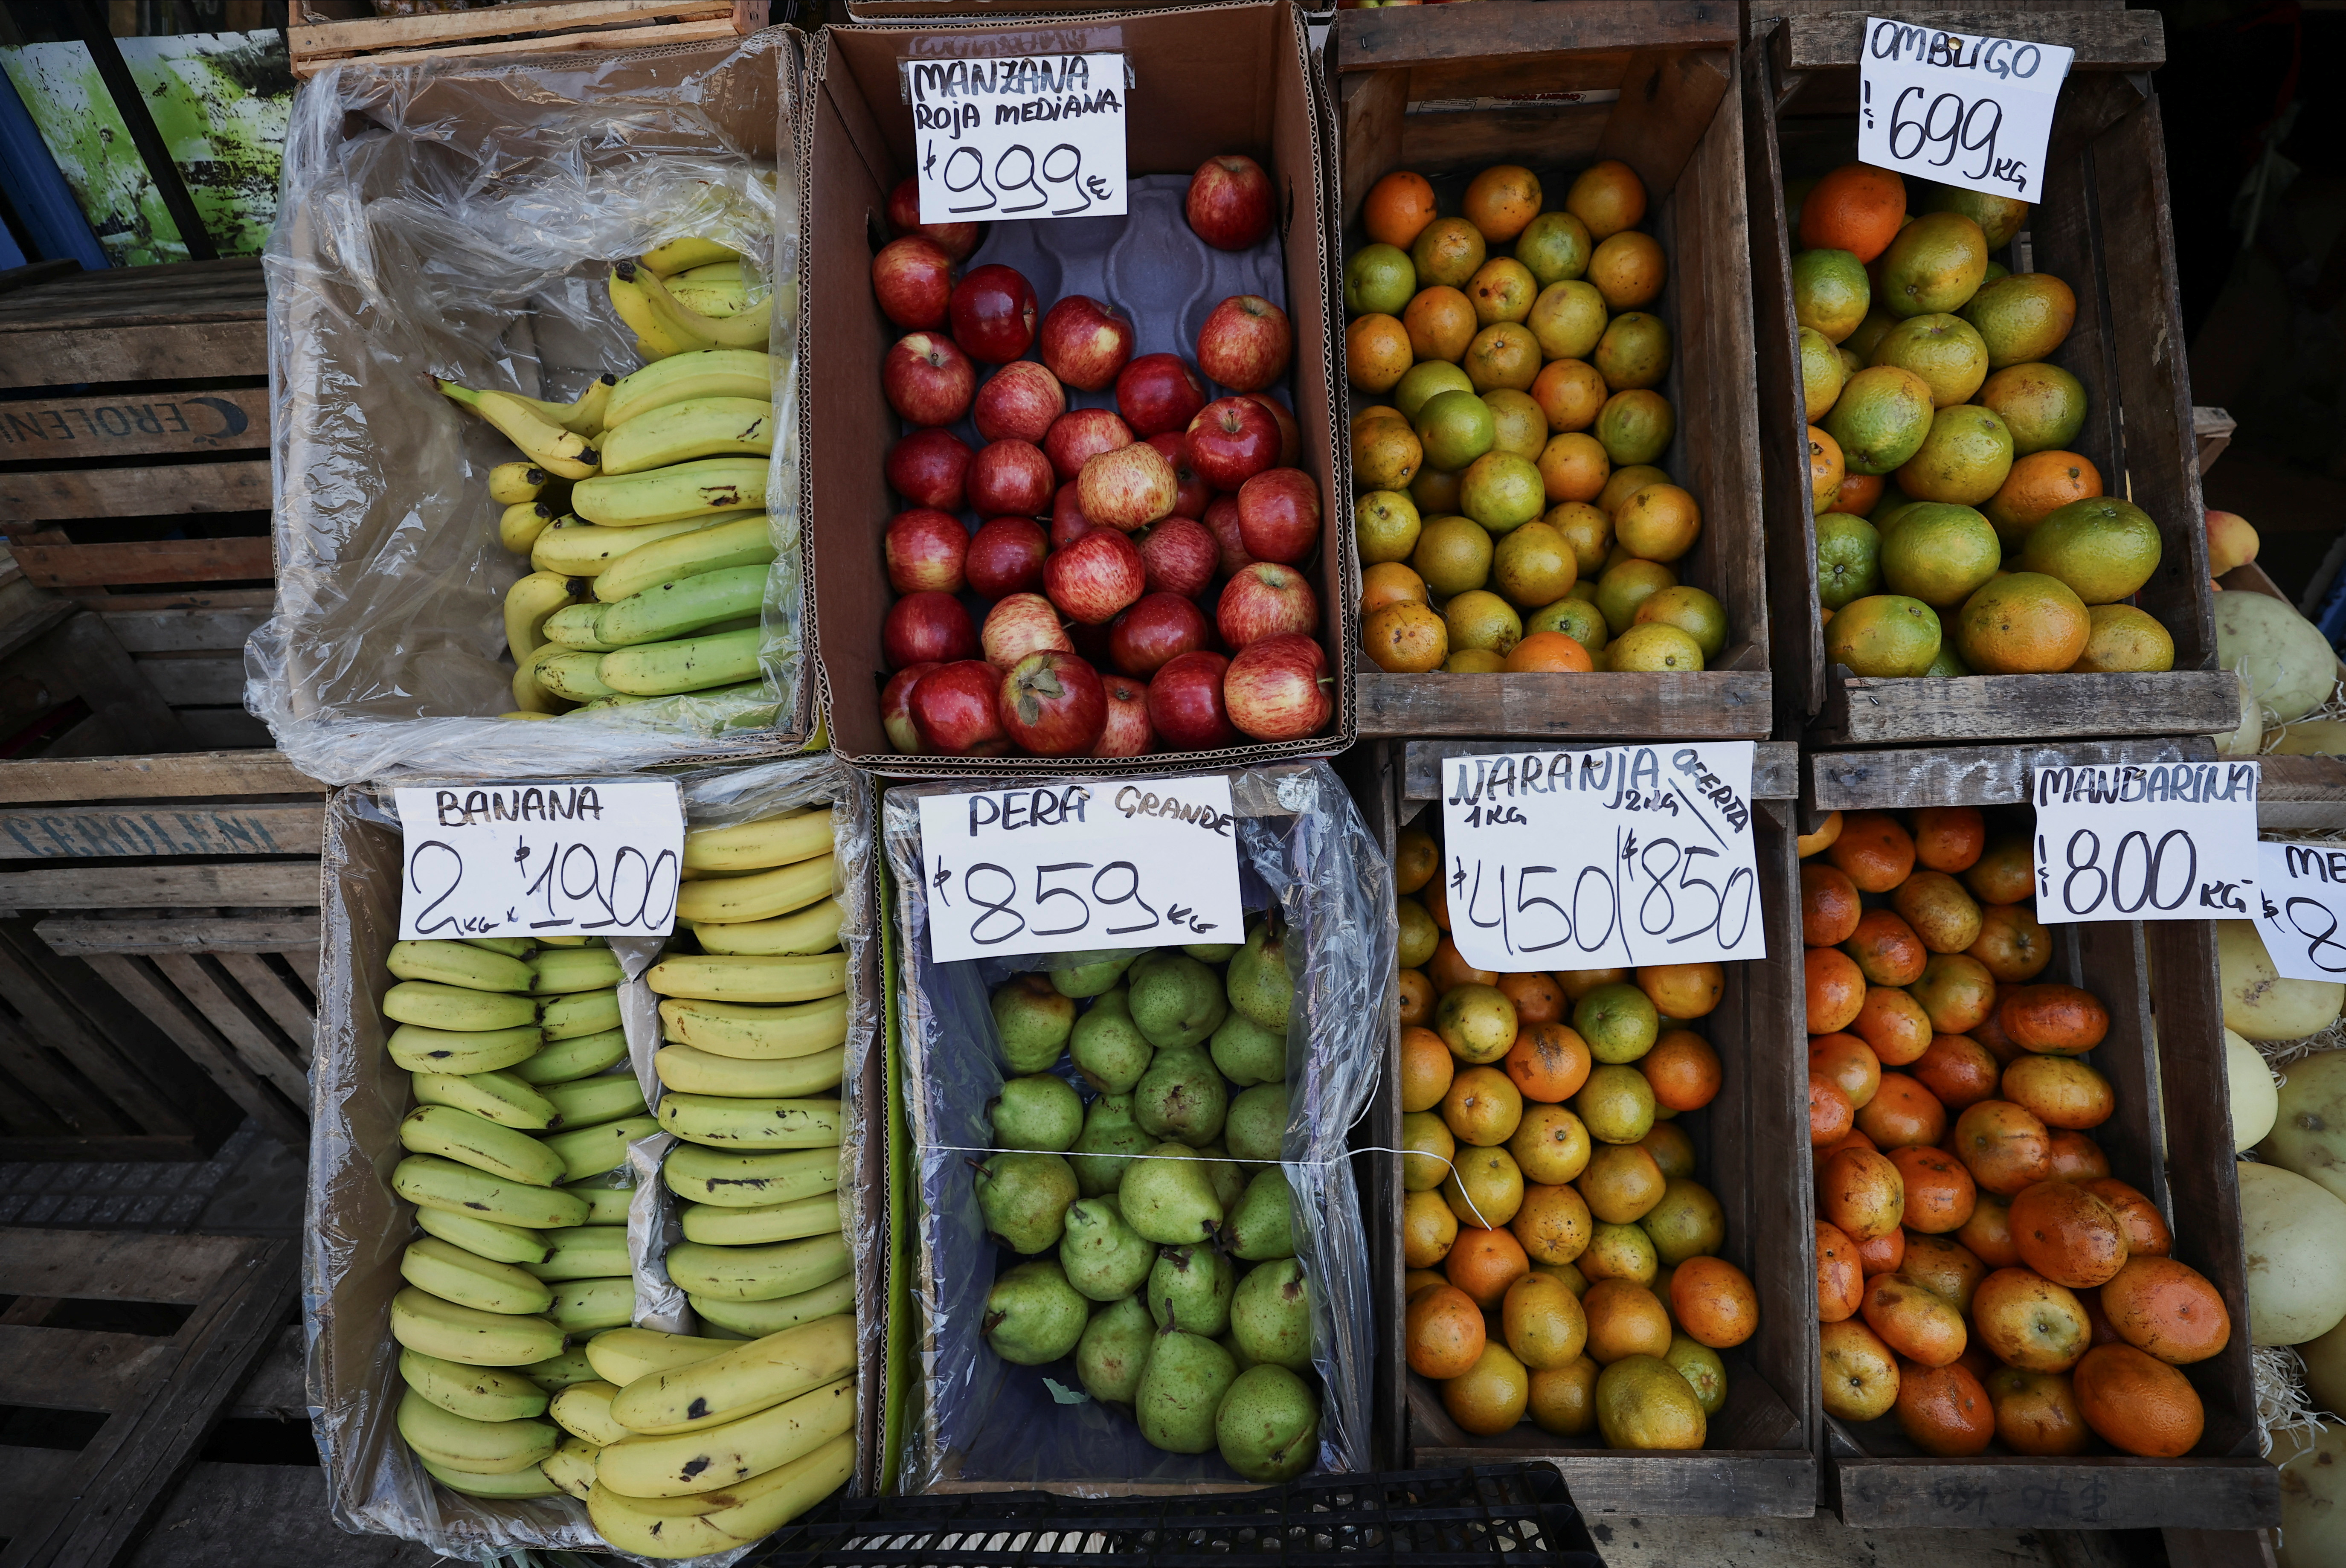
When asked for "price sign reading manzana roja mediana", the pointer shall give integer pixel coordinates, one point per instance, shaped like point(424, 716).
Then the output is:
point(1602, 859)
point(1031, 135)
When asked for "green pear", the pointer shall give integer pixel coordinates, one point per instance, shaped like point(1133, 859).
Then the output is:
point(1105, 1259)
point(1092, 978)
point(1109, 1134)
point(1181, 1096)
point(1238, 1358)
point(1258, 984)
point(1230, 1182)
point(1217, 954)
point(1190, 1288)
point(1114, 1351)
point(1032, 1315)
point(1175, 999)
point(1037, 1112)
point(1034, 1021)
point(1257, 1124)
point(1270, 1315)
point(1268, 1424)
point(1109, 1047)
point(1263, 1223)
point(1025, 1198)
point(1248, 1054)
point(1168, 1197)
point(1180, 1389)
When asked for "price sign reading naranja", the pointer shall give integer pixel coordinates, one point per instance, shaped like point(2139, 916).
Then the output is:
point(1958, 108)
point(540, 859)
point(1036, 135)
point(1068, 868)
point(2160, 840)
point(1601, 859)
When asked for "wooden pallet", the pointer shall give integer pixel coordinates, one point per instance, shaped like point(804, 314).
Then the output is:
point(325, 33)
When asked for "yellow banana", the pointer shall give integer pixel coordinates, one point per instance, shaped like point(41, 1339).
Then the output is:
point(533, 598)
point(623, 1355)
point(741, 1515)
point(559, 970)
point(510, 483)
point(589, 1252)
point(653, 338)
point(502, 1243)
point(570, 941)
point(580, 1013)
point(520, 715)
point(665, 260)
point(685, 1071)
point(606, 1204)
point(422, 1321)
point(420, 1049)
point(683, 1464)
point(755, 846)
point(573, 673)
point(512, 1487)
point(814, 929)
point(706, 1222)
point(583, 1410)
point(786, 978)
point(584, 1306)
point(457, 964)
point(707, 273)
point(427, 1181)
point(749, 329)
point(688, 375)
point(571, 1466)
point(762, 895)
point(759, 1317)
point(583, 415)
point(531, 700)
point(700, 427)
point(573, 627)
point(579, 1056)
point(754, 1033)
point(740, 1382)
point(758, 1273)
point(477, 1393)
point(519, 526)
point(728, 1123)
point(559, 1372)
point(476, 1447)
point(452, 1007)
point(572, 546)
point(480, 1143)
point(691, 550)
point(591, 1151)
point(701, 489)
point(545, 441)
point(717, 297)
point(732, 1180)
point(586, 1103)
point(453, 1274)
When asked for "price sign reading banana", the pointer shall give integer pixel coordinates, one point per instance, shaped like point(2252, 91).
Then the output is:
point(1033, 136)
point(2166, 841)
point(540, 859)
point(1069, 868)
point(1958, 108)
point(1601, 859)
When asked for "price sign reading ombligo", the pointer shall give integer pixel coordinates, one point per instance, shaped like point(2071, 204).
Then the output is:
point(1036, 135)
point(1068, 868)
point(540, 859)
point(2158, 840)
point(1602, 859)
point(1959, 108)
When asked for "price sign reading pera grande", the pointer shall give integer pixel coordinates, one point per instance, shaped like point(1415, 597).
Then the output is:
point(1068, 868)
point(540, 859)
point(2156, 840)
point(1034, 136)
point(1602, 859)
point(1960, 108)
point(2300, 908)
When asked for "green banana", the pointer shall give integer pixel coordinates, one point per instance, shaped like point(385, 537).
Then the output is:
point(452, 1007)
point(748, 1181)
point(589, 1252)
point(511, 483)
point(421, 1049)
point(700, 489)
point(580, 1013)
point(583, 1410)
point(457, 964)
point(687, 1071)
point(678, 554)
point(574, 548)
point(428, 1181)
point(751, 1031)
point(686, 664)
point(585, 1103)
point(511, 946)
point(688, 604)
point(468, 1279)
point(750, 329)
point(591, 1151)
point(571, 1467)
point(761, 1318)
point(706, 1222)
point(784, 978)
point(502, 1243)
point(476, 1447)
point(477, 1393)
point(512, 1487)
point(499, 1097)
point(559, 1372)
point(685, 255)
point(519, 526)
point(769, 841)
point(584, 1306)
point(573, 626)
point(700, 427)
point(758, 1273)
point(559, 970)
point(623, 1355)
point(682, 1464)
point(523, 420)
point(579, 1056)
point(814, 929)
point(689, 376)
point(480, 1143)
point(422, 1321)
point(729, 1123)
point(756, 1376)
point(749, 1513)
point(606, 1199)
point(574, 674)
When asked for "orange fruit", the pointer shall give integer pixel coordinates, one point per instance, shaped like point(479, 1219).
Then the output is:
point(1836, 990)
point(1376, 352)
point(1956, 991)
point(1914, 1319)
point(2057, 1020)
point(1848, 1064)
point(1941, 911)
point(1484, 1263)
point(1857, 208)
point(1398, 207)
point(1893, 1025)
point(2012, 944)
point(2067, 1235)
point(1840, 1286)
point(1622, 1183)
point(1628, 270)
point(2076, 1157)
point(1625, 1318)
point(1858, 493)
point(2024, 622)
point(1443, 1334)
point(1714, 1302)
point(1862, 1194)
point(1448, 250)
point(1440, 322)
point(1483, 1106)
point(1570, 393)
point(1944, 1411)
point(1683, 1069)
point(1671, 1148)
point(1564, 1398)
point(1659, 523)
point(1501, 201)
point(1831, 1116)
point(1860, 1373)
point(1826, 470)
point(1903, 1114)
point(1574, 468)
point(1886, 949)
point(1830, 909)
point(1543, 1321)
point(1940, 1193)
point(1428, 1229)
point(1987, 1234)
point(1933, 264)
point(2138, 1403)
point(2029, 1322)
point(1449, 969)
point(1883, 1255)
point(1426, 1069)
point(2005, 871)
point(1416, 997)
point(1389, 583)
point(1536, 998)
point(2006, 1147)
point(1548, 1062)
point(1946, 1264)
point(2039, 484)
point(1550, 653)
point(1608, 196)
point(2021, 318)
point(1958, 1071)
point(2036, 1413)
point(2145, 1229)
point(1553, 1226)
point(2167, 1308)
point(1683, 991)
point(1489, 1397)
point(1949, 837)
point(2064, 1092)
point(1873, 851)
point(1405, 638)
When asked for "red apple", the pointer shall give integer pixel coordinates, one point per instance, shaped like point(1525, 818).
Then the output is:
point(1019, 402)
point(1179, 555)
point(1221, 520)
point(1095, 576)
point(1279, 689)
point(1005, 557)
point(955, 709)
point(1085, 342)
point(928, 468)
point(1158, 392)
point(926, 628)
point(1157, 627)
point(912, 279)
point(1191, 493)
point(1053, 705)
point(1264, 600)
point(896, 707)
point(1010, 479)
point(958, 240)
point(1128, 488)
point(1246, 344)
point(1232, 440)
point(993, 313)
point(1069, 523)
point(1127, 733)
point(1185, 703)
point(1291, 434)
point(928, 379)
point(1082, 433)
point(1230, 202)
point(1018, 625)
point(1279, 516)
point(926, 551)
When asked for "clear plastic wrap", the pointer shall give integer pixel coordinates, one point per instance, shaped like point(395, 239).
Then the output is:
point(457, 219)
point(1304, 849)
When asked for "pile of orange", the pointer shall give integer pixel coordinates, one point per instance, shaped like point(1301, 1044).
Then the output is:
point(1956, 533)
point(1980, 1273)
point(1506, 363)
point(1562, 1256)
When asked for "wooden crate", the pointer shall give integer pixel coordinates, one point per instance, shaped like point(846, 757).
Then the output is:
point(152, 1336)
point(2106, 176)
point(1677, 121)
point(2211, 432)
point(1761, 1459)
point(323, 33)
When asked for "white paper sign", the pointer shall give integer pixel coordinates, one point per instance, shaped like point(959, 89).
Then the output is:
point(2160, 840)
point(1034, 136)
point(2300, 909)
point(1958, 108)
point(1070, 868)
point(539, 860)
point(1602, 859)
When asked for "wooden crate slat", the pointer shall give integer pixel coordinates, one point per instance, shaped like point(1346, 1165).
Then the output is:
point(152, 420)
point(1969, 775)
point(365, 35)
point(150, 561)
point(289, 885)
point(70, 833)
point(226, 1012)
point(2137, 1493)
point(220, 729)
point(1775, 765)
point(1713, 705)
point(114, 1046)
point(76, 1368)
point(233, 287)
point(30, 1474)
point(21, 1116)
point(183, 629)
point(168, 1012)
point(303, 962)
point(75, 355)
point(70, 493)
point(2104, 40)
point(114, 1265)
point(1371, 39)
point(274, 997)
point(102, 1151)
point(215, 680)
point(277, 1389)
point(1869, 711)
point(154, 778)
point(645, 37)
point(79, 938)
point(79, 1107)
point(269, 1516)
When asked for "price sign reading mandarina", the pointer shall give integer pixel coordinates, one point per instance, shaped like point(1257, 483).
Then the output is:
point(1068, 868)
point(1601, 859)
point(2147, 841)
point(1960, 108)
point(1036, 135)
point(540, 859)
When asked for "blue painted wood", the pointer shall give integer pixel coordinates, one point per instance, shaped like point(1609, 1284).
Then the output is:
point(44, 202)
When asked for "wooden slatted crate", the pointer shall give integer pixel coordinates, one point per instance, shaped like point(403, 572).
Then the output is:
point(324, 33)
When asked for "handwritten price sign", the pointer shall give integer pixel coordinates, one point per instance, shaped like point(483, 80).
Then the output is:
point(1600, 859)
point(2300, 909)
point(1036, 136)
point(540, 859)
point(2172, 841)
point(1959, 108)
point(1068, 868)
